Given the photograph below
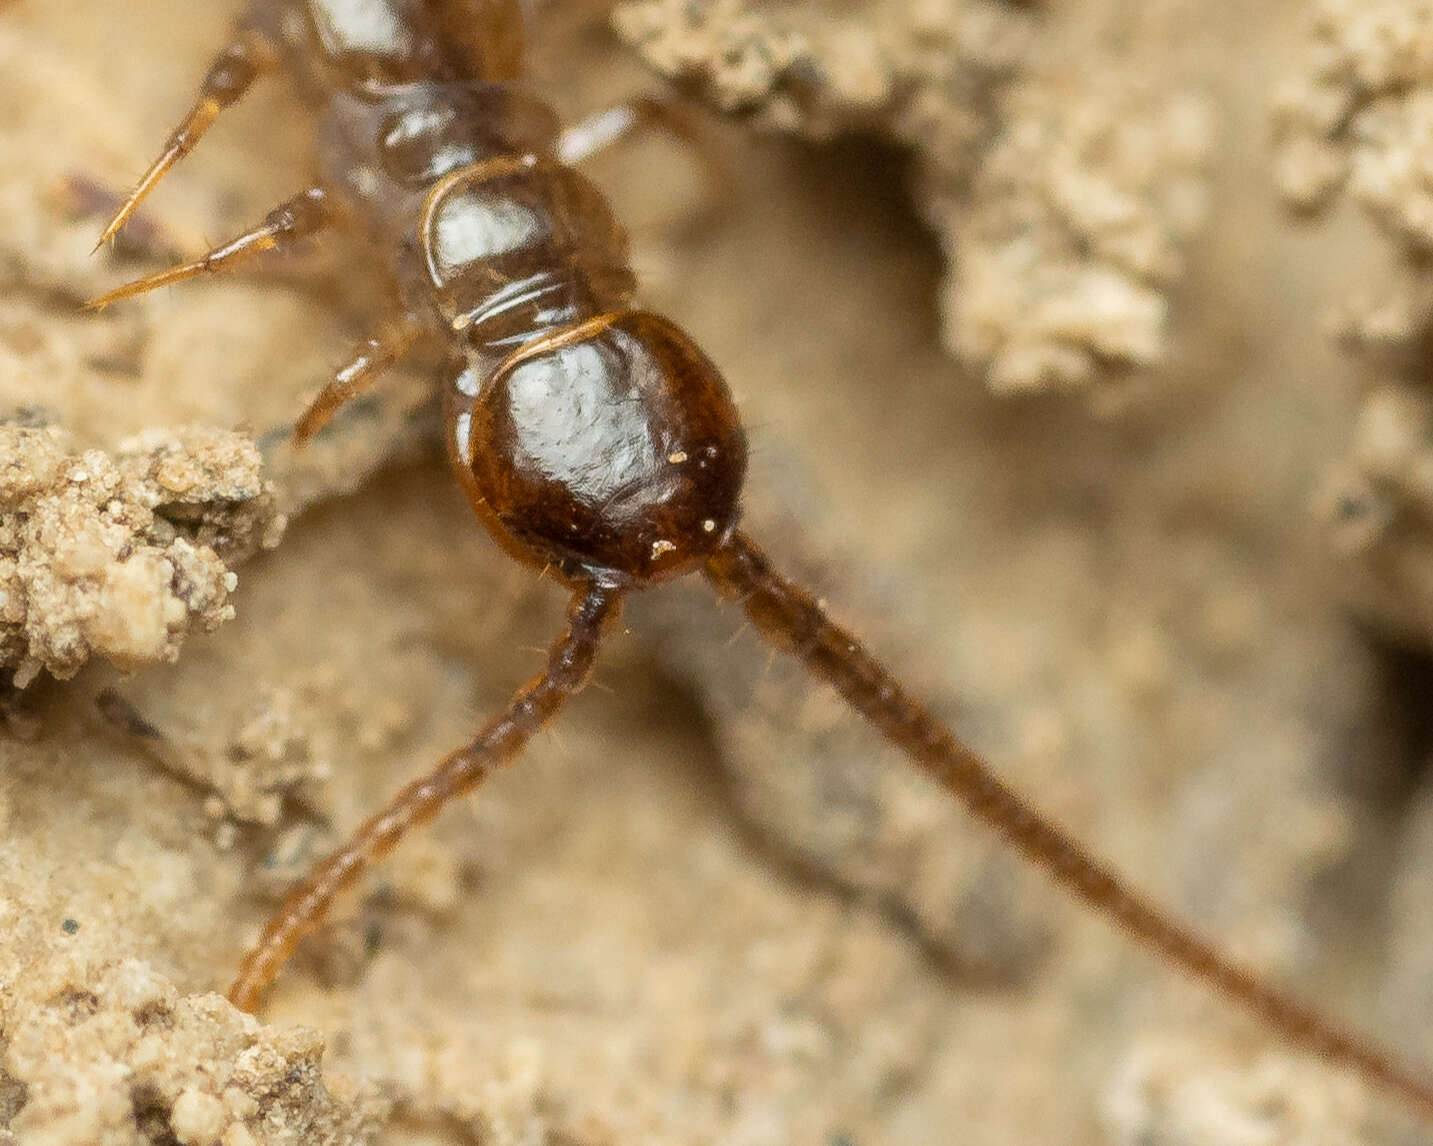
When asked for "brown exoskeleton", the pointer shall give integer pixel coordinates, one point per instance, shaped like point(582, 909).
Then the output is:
point(594, 439)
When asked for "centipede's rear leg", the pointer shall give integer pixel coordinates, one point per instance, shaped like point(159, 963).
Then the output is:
point(249, 55)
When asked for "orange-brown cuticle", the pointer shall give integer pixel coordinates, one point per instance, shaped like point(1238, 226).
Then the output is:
point(611, 451)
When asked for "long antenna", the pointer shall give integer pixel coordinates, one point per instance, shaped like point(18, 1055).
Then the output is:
point(792, 620)
point(569, 663)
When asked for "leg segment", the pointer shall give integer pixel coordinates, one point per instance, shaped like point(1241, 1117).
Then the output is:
point(371, 359)
point(569, 662)
point(231, 74)
point(303, 215)
point(623, 122)
point(791, 620)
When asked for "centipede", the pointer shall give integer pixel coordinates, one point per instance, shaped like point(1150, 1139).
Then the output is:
point(594, 440)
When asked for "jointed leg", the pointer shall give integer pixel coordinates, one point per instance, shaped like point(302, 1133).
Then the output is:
point(792, 620)
point(371, 359)
point(614, 125)
point(231, 74)
point(303, 215)
point(569, 662)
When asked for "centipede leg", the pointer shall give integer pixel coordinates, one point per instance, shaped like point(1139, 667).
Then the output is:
point(369, 361)
point(625, 121)
point(569, 663)
point(233, 71)
point(305, 214)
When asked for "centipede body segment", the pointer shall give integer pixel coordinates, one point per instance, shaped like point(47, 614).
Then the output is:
point(593, 439)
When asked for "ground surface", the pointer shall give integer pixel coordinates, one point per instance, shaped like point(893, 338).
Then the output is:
point(709, 907)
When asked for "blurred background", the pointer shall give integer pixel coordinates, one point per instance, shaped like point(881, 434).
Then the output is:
point(1082, 352)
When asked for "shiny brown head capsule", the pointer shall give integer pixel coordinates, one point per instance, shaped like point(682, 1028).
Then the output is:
point(592, 437)
point(612, 452)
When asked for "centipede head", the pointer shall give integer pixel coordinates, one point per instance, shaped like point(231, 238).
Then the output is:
point(611, 452)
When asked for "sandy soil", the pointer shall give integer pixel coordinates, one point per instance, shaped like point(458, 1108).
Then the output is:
point(1034, 355)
